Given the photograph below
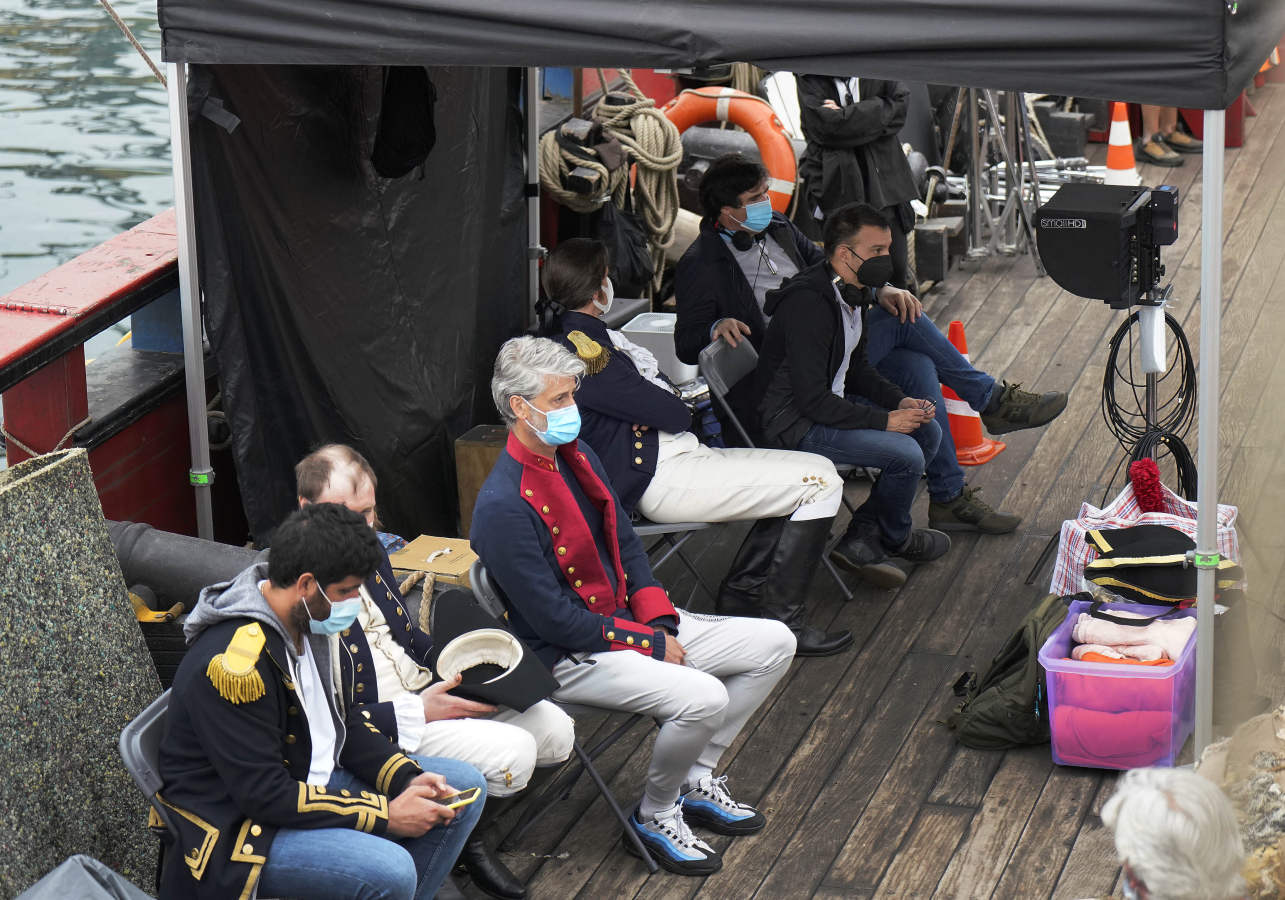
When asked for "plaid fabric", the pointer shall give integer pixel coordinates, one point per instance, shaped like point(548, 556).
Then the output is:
point(1074, 552)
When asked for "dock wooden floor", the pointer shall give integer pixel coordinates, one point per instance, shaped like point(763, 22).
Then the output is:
point(865, 792)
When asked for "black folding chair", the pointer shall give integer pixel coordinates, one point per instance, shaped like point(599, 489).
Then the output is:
point(140, 745)
point(723, 367)
point(673, 536)
point(491, 599)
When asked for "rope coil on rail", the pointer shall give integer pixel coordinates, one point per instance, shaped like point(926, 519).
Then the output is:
point(653, 145)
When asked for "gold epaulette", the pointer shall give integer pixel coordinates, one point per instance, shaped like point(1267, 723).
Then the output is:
point(593, 354)
point(233, 671)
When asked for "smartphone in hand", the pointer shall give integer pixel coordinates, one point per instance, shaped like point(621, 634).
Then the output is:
point(461, 798)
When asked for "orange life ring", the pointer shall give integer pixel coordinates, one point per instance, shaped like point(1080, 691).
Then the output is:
point(714, 104)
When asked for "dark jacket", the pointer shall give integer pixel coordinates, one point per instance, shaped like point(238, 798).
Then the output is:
point(236, 750)
point(801, 355)
point(615, 399)
point(358, 687)
point(853, 153)
point(709, 285)
point(559, 545)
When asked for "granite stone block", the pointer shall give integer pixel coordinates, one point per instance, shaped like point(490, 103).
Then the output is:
point(74, 669)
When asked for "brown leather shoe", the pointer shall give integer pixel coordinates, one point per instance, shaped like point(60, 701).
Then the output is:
point(1155, 151)
point(1183, 142)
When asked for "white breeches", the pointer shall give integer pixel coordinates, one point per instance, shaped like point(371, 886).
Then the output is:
point(695, 483)
point(506, 747)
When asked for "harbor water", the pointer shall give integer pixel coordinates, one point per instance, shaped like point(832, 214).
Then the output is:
point(84, 134)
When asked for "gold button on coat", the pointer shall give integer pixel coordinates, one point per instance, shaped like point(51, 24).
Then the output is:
point(528, 492)
point(256, 830)
point(646, 644)
point(544, 509)
point(611, 635)
point(629, 640)
point(562, 551)
point(290, 739)
point(638, 445)
point(248, 849)
point(579, 582)
point(637, 460)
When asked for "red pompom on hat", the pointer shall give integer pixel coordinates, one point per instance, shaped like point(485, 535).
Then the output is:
point(1145, 475)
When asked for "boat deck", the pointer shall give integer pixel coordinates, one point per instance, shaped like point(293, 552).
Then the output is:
point(865, 792)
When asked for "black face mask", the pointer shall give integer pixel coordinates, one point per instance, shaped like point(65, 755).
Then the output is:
point(874, 272)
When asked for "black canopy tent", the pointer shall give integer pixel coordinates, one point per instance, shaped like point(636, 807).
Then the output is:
point(1190, 53)
point(1193, 53)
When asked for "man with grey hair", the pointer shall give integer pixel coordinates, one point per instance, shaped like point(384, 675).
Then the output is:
point(575, 578)
point(1176, 835)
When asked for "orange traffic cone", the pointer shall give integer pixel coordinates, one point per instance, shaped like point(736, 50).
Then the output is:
point(1120, 165)
point(972, 448)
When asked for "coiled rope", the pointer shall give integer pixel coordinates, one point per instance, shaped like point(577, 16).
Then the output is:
point(655, 146)
point(652, 143)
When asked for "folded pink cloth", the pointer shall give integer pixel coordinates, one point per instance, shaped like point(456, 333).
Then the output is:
point(1144, 652)
point(1170, 635)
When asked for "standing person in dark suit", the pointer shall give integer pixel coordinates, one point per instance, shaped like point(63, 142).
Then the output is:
point(853, 154)
point(638, 425)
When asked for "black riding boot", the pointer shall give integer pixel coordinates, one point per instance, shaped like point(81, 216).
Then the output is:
point(795, 560)
point(741, 593)
point(489, 873)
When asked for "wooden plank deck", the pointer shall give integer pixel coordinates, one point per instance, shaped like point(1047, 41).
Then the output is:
point(866, 793)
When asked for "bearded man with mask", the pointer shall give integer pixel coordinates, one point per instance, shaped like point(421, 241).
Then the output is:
point(555, 538)
point(273, 792)
point(745, 250)
point(639, 426)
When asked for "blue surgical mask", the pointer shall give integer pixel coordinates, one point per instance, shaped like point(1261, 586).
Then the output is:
point(758, 216)
point(562, 426)
point(342, 614)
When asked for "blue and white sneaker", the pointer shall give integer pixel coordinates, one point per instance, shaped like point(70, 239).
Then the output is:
point(710, 806)
point(672, 844)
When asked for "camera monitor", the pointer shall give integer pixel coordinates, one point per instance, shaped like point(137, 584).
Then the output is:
point(1103, 241)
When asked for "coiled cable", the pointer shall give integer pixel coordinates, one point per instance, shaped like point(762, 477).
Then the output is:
point(1175, 405)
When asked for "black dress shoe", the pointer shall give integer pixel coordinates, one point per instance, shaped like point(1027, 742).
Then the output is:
point(489, 874)
point(815, 642)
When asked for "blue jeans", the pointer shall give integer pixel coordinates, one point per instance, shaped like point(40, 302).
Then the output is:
point(345, 864)
point(919, 359)
point(900, 459)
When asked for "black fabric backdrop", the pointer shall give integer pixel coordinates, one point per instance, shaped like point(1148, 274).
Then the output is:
point(1193, 53)
point(347, 307)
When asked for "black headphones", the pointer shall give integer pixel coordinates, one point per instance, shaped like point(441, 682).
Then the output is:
point(744, 240)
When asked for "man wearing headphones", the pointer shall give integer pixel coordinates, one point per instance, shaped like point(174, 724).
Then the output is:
point(745, 250)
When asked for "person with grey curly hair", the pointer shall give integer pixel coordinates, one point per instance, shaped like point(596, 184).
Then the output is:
point(1176, 835)
point(554, 537)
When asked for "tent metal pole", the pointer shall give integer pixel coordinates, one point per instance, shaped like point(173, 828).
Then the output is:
point(201, 476)
point(535, 252)
point(1211, 277)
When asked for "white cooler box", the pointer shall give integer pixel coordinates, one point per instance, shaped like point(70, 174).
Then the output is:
point(655, 331)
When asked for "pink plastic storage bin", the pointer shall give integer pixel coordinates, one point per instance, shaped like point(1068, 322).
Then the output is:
point(1108, 716)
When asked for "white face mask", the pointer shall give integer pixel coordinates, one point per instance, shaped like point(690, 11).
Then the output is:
point(608, 291)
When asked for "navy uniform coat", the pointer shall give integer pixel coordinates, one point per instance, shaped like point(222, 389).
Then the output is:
point(235, 769)
point(560, 547)
point(358, 687)
point(615, 398)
